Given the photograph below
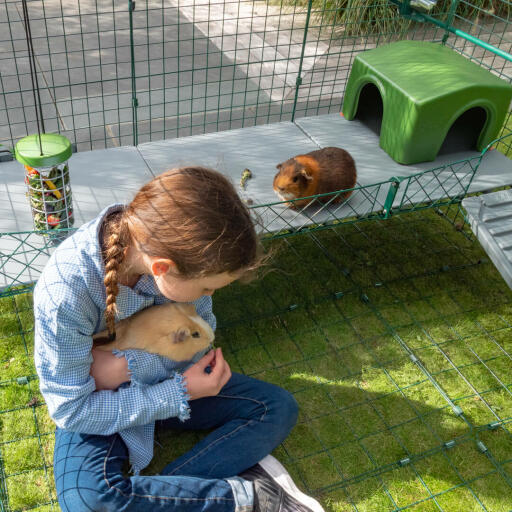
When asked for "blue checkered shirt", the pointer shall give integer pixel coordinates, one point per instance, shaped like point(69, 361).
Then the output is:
point(69, 306)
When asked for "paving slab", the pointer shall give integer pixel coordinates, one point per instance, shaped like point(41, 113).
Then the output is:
point(260, 148)
point(102, 177)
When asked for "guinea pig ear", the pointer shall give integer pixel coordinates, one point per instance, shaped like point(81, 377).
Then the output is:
point(279, 166)
point(305, 174)
point(181, 335)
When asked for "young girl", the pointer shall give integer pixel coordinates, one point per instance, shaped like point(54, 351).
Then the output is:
point(185, 234)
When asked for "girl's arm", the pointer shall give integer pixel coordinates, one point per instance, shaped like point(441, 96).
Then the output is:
point(107, 370)
point(63, 343)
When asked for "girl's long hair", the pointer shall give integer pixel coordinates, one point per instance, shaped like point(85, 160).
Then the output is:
point(190, 215)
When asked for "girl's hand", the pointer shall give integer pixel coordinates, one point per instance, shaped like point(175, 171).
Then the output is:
point(108, 371)
point(200, 383)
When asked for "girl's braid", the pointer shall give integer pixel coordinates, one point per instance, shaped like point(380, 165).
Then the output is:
point(115, 241)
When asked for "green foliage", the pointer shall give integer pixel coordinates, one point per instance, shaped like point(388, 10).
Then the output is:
point(354, 17)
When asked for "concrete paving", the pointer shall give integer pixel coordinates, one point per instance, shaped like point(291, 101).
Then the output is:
point(200, 66)
point(193, 61)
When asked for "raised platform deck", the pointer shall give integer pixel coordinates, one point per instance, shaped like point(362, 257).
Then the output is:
point(102, 177)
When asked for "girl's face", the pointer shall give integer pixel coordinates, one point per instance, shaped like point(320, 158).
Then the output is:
point(188, 290)
point(169, 284)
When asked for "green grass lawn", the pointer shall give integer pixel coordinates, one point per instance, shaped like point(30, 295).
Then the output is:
point(395, 338)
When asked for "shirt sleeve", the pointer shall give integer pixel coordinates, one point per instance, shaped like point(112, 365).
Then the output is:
point(146, 368)
point(204, 308)
point(63, 342)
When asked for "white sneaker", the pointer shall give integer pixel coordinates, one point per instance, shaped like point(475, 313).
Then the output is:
point(275, 491)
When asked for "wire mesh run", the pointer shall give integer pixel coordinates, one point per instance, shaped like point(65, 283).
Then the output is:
point(394, 337)
point(118, 73)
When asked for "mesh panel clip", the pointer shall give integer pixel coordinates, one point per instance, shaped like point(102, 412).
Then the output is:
point(457, 410)
point(481, 446)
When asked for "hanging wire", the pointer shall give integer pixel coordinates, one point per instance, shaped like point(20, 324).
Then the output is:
point(33, 75)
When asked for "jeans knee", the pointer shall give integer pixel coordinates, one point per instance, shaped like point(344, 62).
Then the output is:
point(290, 409)
point(82, 499)
point(95, 495)
point(285, 411)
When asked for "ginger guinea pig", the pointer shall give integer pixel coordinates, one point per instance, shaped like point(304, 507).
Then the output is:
point(319, 172)
point(172, 330)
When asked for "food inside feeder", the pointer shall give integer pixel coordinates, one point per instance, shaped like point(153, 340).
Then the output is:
point(45, 158)
point(49, 194)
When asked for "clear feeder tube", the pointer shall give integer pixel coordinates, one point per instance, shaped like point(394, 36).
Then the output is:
point(50, 197)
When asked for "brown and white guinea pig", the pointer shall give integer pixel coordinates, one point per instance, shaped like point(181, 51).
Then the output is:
point(319, 172)
point(172, 330)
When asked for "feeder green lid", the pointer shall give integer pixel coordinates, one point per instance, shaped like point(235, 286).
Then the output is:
point(56, 149)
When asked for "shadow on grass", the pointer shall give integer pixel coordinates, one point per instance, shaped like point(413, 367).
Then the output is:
point(347, 447)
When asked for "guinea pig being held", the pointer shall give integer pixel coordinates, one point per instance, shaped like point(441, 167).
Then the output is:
point(172, 330)
point(319, 172)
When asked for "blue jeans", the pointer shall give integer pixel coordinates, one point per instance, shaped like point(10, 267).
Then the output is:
point(250, 418)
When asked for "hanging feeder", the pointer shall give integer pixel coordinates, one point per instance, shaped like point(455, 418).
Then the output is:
point(45, 158)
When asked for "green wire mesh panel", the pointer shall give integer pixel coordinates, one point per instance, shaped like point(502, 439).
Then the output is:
point(436, 187)
point(117, 73)
point(84, 70)
point(395, 338)
point(392, 361)
point(23, 256)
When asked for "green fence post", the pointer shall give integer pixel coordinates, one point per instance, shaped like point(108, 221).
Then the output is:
point(388, 204)
point(449, 18)
point(135, 102)
point(299, 77)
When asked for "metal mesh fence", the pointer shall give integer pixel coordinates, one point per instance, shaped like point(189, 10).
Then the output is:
point(393, 335)
point(118, 73)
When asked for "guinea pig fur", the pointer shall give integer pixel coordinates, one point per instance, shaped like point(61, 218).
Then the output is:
point(173, 330)
point(318, 172)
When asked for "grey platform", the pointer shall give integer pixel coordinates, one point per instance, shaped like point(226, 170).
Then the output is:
point(102, 177)
point(490, 217)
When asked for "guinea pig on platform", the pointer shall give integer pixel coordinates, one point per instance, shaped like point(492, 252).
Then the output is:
point(318, 172)
point(173, 330)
